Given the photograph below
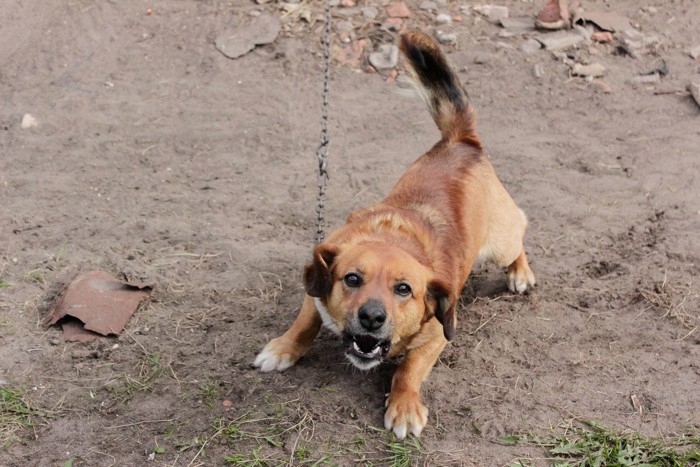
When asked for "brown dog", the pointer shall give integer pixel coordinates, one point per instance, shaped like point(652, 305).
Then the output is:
point(388, 282)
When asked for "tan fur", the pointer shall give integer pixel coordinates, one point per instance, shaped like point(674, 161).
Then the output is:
point(447, 211)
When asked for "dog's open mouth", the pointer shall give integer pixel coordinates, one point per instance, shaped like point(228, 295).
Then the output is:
point(364, 350)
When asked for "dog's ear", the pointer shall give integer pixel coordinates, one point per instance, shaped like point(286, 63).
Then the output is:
point(439, 293)
point(318, 280)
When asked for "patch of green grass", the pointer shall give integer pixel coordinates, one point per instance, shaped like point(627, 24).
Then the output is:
point(209, 392)
point(4, 284)
point(15, 415)
point(594, 445)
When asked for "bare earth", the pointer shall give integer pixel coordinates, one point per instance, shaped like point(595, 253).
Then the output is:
point(159, 159)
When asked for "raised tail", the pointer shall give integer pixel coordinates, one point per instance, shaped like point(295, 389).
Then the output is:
point(440, 88)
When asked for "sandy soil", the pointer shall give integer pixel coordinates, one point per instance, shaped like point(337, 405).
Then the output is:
point(159, 159)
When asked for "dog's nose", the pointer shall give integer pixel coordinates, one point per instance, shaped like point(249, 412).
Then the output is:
point(372, 315)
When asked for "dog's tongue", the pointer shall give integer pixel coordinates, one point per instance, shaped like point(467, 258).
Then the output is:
point(366, 343)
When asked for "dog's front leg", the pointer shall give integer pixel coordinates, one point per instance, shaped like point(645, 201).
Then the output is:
point(405, 413)
point(284, 351)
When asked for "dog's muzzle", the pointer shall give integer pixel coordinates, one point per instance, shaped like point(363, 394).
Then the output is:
point(367, 338)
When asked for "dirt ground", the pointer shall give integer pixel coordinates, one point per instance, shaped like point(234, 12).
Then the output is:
point(157, 158)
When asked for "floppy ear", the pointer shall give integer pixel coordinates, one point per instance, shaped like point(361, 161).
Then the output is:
point(439, 292)
point(318, 280)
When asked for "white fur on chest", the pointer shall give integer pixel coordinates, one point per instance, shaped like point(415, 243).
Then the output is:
point(325, 317)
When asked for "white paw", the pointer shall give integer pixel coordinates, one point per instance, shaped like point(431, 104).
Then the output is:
point(274, 357)
point(519, 281)
point(405, 414)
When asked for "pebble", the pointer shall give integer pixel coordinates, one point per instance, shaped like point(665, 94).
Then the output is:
point(695, 52)
point(646, 79)
point(348, 3)
point(344, 26)
point(538, 70)
point(517, 24)
point(386, 58)
point(602, 36)
point(370, 12)
point(398, 10)
point(694, 89)
point(443, 18)
point(560, 40)
point(530, 46)
point(493, 13)
point(446, 37)
point(428, 5)
point(28, 121)
point(594, 70)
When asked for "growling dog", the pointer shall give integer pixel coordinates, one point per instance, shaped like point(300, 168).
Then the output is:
point(389, 280)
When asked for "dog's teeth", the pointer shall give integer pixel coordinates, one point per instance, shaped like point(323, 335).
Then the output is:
point(356, 347)
point(375, 351)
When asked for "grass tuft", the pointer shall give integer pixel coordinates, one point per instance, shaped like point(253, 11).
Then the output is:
point(594, 445)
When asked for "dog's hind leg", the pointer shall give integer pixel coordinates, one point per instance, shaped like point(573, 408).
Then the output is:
point(284, 351)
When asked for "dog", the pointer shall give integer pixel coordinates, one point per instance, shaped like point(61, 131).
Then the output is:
point(388, 281)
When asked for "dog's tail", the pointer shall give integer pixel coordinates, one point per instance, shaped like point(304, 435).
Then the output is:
point(440, 88)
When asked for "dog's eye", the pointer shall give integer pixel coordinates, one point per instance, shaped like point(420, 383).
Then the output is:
point(402, 289)
point(352, 280)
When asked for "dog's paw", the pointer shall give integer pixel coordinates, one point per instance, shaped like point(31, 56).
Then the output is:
point(520, 278)
point(405, 413)
point(277, 355)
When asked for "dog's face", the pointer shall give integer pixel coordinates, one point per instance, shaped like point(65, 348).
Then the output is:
point(375, 296)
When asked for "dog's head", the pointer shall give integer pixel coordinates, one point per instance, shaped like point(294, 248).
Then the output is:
point(375, 295)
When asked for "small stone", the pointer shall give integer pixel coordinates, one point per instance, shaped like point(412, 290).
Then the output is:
point(594, 70)
point(560, 40)
point(386, 58)
point(428, 5)
point(603, 86)
point(530, 46)
point(392, 24)
point(694, 89)
point(517, 24)
point(348, 3)
point(602, 36)
point(447, 38)
point(649, 9)
point(370, 12)
point(28, 121)
point(398, 10)
point(695, 52)
point(493, 13)
point(504, 45)
point(653, 78)
point(54, 342)
point(344, 26)
point(538, 70)
point(554, 15)
point(227, 404)
point(443, 18)
point(458, 18)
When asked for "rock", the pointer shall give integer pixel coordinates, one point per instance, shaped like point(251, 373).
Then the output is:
point(443, 18)
point(370, 12)
point(28, 121)
point(594, 70)
point(653, 78)
point(344, 26)
point(262, 30)
point(649, 9)
point(695, 52)
point(554, 15)
point(538, 70)
point(530, 46)
point(348, 3)
point(398, 10)
point(560, 40)
point(428, 5)
point(522, 24)
point(447, 38)
point(605, 20)
point(493, 13)
point(386, 58)
point(694, 89)
point(602, 36)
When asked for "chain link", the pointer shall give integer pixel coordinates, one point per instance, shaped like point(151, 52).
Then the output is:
point(323, 147)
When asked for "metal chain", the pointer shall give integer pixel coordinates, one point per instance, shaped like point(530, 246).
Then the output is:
point(323, 147)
